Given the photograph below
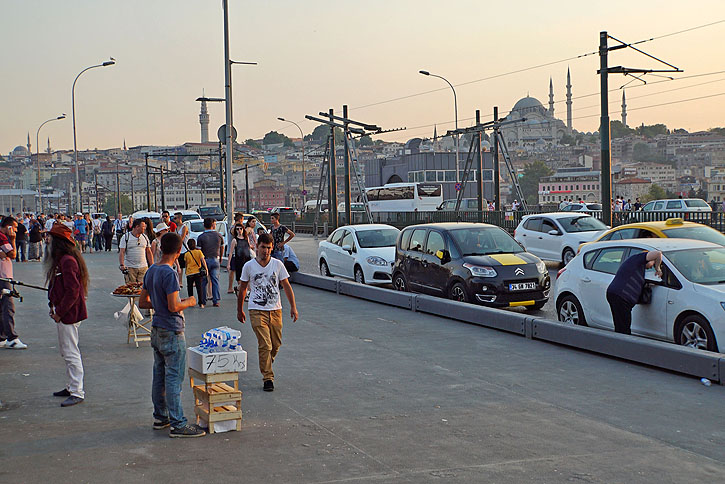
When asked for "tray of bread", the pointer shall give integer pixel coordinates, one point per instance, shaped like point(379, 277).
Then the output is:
point(130, 289)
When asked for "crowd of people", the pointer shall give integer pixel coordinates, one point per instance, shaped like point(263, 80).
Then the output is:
point(259, 264)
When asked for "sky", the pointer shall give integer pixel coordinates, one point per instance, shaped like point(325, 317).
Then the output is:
point(314, 55)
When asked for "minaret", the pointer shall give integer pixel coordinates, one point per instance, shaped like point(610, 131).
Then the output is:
point(124, 144)
point(48, 150)
point(624, 109)
point(568, 100)
point(204, 119)
point(551, 98)
point(29, 145)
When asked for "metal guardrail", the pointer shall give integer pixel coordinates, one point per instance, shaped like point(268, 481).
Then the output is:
point(658, 354)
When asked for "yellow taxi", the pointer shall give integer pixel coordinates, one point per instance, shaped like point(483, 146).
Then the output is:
point(674, 228)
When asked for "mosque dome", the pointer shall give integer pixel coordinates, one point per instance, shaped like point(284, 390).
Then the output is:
point(20, 151)
point(527, 103)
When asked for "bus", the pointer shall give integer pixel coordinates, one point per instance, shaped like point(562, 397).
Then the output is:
point(405, 197)
point(311, 206)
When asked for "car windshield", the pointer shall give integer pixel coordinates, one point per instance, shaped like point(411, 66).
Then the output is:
point(701, 266)
point(197, 226)
point(484, 241)
point(697, 233)
point(377, 238)
point(189, 216)
point(209, 211)
point(581, 224)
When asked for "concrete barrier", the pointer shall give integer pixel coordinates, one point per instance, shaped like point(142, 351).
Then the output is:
point(378, 294)
point(311, 280)
point(658, 354)
point(661, 354)
point(480, 315)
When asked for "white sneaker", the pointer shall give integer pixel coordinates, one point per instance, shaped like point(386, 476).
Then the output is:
point(2, 344)
point(15, 344)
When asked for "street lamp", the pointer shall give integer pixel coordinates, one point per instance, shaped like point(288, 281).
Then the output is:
point(75, 146)
point(455, 107)
point(39, 205)
point(304, 191)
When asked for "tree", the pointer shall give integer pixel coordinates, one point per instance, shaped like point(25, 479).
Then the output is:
point(720, 131)
point(365, 141)
point(567, 139)
point(273, 138)
point(110, 206)
point(320, 133)
point(533, 173)
point(253, 144)
point(618, 130)
point(651, 131)
point(655, 192)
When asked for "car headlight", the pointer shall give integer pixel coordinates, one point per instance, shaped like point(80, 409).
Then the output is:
point(541, 267)
point(374, 260)
point(481, 271)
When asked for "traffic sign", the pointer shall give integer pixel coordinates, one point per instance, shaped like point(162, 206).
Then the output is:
point(458, 187)
point(222, 133)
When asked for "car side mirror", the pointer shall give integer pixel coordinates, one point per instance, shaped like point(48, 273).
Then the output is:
point(554, 232)
point(347, 248)
point(444, 256)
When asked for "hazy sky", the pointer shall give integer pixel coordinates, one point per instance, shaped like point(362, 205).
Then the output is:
point(318, 54)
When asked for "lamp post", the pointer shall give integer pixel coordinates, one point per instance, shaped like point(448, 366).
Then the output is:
point(455, 107)
point(304, 175)
point(39, 205)
point(79, 205)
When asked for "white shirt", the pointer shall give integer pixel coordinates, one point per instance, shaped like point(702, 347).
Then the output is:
point(49, 223)
point(264, 284)
point(185, 240)
point(135, 256)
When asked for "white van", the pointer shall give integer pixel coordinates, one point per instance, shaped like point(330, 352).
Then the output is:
point(678, 205)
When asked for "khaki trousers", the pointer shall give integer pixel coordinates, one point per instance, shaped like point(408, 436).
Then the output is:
point(135, 274)
point(267, 325)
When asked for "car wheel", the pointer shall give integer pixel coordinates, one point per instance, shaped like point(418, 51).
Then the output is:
point(359, 275)
point(569, 311)
point(458, 292)
point(324, 270)
point(567, 256)
point(694, 331)
point(399, 282)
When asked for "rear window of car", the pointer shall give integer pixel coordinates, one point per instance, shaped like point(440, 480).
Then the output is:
point(594, 206)
point(696, 203)
point(417, 240)
point(405, 239)
point(674, 205)
point(589, 258)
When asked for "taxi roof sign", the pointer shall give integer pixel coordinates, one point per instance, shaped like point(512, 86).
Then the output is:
point(674, 221)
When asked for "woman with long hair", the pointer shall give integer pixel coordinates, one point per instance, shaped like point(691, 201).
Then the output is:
point(239, 254)
point(67, 278)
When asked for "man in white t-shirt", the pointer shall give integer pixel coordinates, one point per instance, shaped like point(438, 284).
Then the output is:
point(135, 256)
point(263, 277)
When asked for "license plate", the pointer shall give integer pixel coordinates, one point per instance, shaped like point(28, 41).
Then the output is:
point(522, 286)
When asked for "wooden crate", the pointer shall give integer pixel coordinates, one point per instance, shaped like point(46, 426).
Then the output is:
point(213, 391)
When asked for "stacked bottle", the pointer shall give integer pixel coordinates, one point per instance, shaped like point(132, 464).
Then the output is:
point(220, 339)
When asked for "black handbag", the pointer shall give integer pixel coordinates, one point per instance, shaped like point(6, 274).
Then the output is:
point(645, 297)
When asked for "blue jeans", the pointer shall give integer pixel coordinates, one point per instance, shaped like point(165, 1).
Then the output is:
point(97, 245)
point(169, 367)
point(22, 250)
point(213, 267)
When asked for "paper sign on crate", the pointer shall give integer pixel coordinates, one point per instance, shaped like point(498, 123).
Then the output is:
point(222, 362)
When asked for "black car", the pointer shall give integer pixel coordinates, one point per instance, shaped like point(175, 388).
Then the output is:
point(213, 211)
point(470, 262)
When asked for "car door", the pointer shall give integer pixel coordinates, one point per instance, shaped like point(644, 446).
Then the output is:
point(651, 319)
point(347, 258)
point(530, 234)
point(416, 278)
point(434, 272)
point(549, 245)
point(334, 253)
point(598, 274)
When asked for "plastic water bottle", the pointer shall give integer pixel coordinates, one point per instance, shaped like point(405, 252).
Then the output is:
point(234, 342)
point(705, 382)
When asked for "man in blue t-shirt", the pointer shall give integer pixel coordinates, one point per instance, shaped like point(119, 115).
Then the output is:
point(81, 228)
point(161, 292)
point(626, 287)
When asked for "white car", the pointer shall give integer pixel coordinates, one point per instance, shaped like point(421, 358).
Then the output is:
point(365, 253)
point(583, 207)
point(688, 302)
point(185, 215)
point(557, 236)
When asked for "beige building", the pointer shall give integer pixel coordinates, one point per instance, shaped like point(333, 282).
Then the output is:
point(631, 188)
point(570, 183)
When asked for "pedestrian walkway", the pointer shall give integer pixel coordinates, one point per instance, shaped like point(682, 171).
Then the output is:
point(364, 393)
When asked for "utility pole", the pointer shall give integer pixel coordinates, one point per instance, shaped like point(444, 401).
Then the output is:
point(496, 167)
point(604, 135)
point(604, 127)
point(246, 186)
point(133, 204)
point(479, 169)
point(221, 178)
point(118, 189)
point(95, 177)
point(163, 198)
point(332, 184)
point(148, 191)
point(348, 211)
point(186, 191)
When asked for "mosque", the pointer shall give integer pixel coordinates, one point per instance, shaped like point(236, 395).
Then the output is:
point(540, 128)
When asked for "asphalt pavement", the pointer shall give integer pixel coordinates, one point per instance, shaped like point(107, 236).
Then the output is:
point(364, 393)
